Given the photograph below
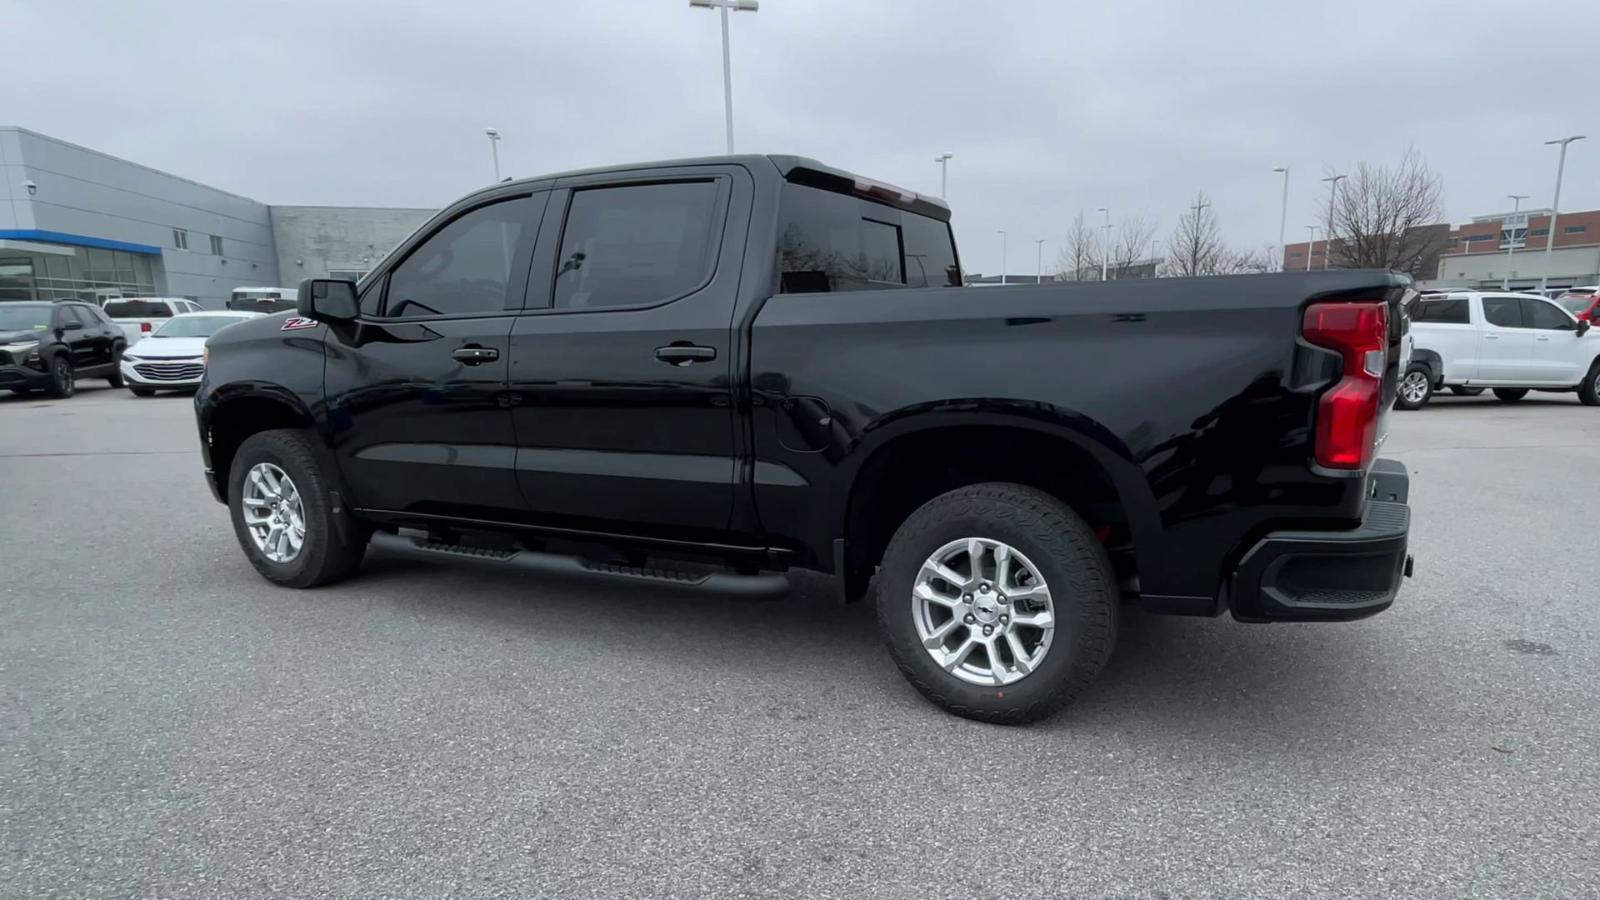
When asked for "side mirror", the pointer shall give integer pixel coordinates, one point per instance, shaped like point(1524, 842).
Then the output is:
point(71, 326)
point(1583, 327)
point(327, 300)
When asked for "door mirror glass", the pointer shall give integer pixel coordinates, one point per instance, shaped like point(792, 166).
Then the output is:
point(327, 299)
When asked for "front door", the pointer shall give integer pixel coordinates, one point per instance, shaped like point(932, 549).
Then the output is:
point(79, 337)
point(1505, 347)
point(623, 364)
point(1557, 349)
point(416, 387)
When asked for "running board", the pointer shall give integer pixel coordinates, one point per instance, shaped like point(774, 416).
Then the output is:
point(769, 586)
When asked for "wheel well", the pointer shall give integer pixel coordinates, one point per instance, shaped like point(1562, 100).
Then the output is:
point(914, 468)
point(236, 420)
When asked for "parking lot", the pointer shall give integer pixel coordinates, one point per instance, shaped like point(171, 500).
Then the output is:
point(171, 725)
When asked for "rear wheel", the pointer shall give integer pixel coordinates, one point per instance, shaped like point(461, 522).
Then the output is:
point(997, 602)
point(1511, 395)
point(1461, 391)
point(1589, 390)
point(1416, 389)
point(281, 498)
point(62, 381)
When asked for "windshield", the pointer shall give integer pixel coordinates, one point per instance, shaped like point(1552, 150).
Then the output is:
point(1575, 303)
point(194, 326)
point(24, 316)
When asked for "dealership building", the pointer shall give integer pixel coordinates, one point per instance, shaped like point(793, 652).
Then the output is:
point(78, 223)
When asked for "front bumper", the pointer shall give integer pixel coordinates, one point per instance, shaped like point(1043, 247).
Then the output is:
point(23, 377)
point(163, 374)
point(1330, 576)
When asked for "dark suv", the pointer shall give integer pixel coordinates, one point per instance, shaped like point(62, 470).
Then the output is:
point(48, 346)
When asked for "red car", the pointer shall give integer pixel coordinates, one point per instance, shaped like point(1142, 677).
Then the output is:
point(1583, 302)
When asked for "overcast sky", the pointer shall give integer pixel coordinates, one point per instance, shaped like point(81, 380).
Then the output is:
point(1051, 107)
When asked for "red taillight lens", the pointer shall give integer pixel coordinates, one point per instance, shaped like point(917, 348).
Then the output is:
point(1347, 415)
point(144, 327)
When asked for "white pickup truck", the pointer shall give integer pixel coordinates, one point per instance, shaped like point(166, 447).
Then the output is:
point(1512, 343)
point(139, 316)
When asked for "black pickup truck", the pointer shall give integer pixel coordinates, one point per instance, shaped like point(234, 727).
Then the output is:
point(703, 374)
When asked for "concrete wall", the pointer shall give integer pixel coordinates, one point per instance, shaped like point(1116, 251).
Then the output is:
point(1568, 266)
point(85, 192)
point(315, 240)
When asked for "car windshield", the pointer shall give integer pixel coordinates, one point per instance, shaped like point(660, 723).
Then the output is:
point(24, 316)
point(194, 326)
point(1575, 303)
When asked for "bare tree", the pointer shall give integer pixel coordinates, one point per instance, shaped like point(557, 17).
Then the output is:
point(1247, 262)
point(1079, 259)
point(1195, 247)
point(1131, 245)
point(1380, 217)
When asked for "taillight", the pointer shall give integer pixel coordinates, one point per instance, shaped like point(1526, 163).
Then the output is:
point(1347, 415)
point(144, 327)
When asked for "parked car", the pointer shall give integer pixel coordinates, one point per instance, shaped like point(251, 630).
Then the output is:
point(173, 356)
point(48, 346)
point(699, 375)
point(138, 316)
point(262, 299)
point(1510, 343)
point(1582, 302)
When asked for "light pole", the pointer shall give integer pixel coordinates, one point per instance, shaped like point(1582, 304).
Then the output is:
point(943, 160)
point(724, 6)
point(1283, 214)
point(494, 148)
point(1327, 233)
point(1105, 246)
point(1555, 207)
point(1312, 245)
point(1002, 257)
point(1038, 261)
point(1511, 239)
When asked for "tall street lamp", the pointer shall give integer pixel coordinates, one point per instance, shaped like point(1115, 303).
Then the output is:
point(1313, 229)
point(943, 160)
point(1327, 233)
point(1038, 261)
point(1511, 237)
point(1105, 246)
point(1002, 257)
point(494, 148)
point(1555, 206)
point(1283, 214)
point(724, 6)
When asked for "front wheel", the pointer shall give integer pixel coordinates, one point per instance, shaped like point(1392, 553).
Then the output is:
point(62, 381)
point(1415, 390)
point(115, 378)
point(280, 496)
point(1589, 390)
point(997, 602)
point(1510, 395)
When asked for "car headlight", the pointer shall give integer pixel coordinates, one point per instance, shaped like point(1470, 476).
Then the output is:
point(26, 351)
point(131, 358)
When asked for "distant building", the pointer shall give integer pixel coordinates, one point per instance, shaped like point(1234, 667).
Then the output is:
point(78, 223)
point(1139, 268)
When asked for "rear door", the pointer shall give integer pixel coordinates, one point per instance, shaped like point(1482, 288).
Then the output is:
point(622, 363)
point(1444, 326)
point(1557, 350)
point(416, 388)
point(1505, 346)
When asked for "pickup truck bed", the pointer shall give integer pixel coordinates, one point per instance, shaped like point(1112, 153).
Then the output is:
point(704, 373)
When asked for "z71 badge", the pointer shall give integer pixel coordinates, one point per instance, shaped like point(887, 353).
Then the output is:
point(294, 322)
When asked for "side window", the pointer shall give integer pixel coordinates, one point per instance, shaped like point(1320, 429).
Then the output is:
point(829, 241)
point(636, 245)
point(464, 267)
point(1505, 312)
point(1452, 312)
point(930, 252)
point(372, 296)
point(1539, 314)
point(66, 312)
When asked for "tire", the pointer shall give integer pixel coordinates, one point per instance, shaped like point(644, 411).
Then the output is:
point(62, 381)
point(142, 392)
point(1461, 391)
point(115, 378)
point(1415, 389)
point(1589, 390)
point(1046, 536)
point(332, 542)
point(1510, 395)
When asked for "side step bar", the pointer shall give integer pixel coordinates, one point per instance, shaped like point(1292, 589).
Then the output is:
point(767, 586)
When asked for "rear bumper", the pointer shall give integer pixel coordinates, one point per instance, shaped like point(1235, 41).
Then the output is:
point(1330, 576)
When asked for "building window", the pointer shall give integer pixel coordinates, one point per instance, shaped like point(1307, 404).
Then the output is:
point(1539, 232)
point(1513, 238)
point(1295, 254)
point(216, 245)
point(180, 238)
point(1575, 229)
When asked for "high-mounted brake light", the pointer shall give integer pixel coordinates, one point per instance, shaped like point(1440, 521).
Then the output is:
point(144, 327)
point(880, 191)
point(1347, 415)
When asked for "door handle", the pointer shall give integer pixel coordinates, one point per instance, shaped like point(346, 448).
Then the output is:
point(685, 354)
point(1541, 338)
point(474, 356)
point(1491, 337)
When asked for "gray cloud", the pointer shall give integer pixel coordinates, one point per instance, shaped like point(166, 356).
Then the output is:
point(1050, 107)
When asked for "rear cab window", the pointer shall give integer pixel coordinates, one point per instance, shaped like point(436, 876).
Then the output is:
point(138, 309)
point(1443, 312)
point(830, 241)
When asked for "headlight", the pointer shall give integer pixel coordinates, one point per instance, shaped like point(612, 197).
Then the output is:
point(131, 358)
point(25, 351)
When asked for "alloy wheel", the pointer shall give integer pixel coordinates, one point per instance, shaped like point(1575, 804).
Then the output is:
point(273, 513)
point(1414, 387)
point(983, 611)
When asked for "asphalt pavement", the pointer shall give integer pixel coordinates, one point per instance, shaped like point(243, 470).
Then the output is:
point(173, 726)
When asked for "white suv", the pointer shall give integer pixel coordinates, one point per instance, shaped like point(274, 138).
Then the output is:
point(1513, 343)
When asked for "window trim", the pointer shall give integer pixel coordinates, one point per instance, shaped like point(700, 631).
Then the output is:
point(549, 249)
point(518, 273)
